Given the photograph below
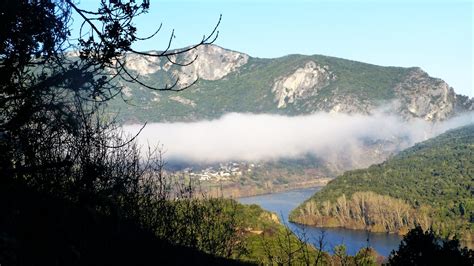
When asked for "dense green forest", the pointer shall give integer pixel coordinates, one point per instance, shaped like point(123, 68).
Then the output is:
point(430, 184)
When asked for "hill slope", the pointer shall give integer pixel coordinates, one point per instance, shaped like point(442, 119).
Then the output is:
point(431, 184)
point(230, 81)
point(41, 229)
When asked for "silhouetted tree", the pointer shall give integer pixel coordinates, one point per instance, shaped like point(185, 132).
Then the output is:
point(285, 248)
point(50, 82)
point(56, 138)
point(420, 247)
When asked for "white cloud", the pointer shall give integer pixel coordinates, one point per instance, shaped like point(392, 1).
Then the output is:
point(253, 137)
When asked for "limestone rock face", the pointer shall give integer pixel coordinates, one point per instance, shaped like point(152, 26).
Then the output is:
point(302, 83)
point(422, 96)
point(143, 65)
point(182, 100)
point(209, 62)
point(212, 63)
point(347, 104)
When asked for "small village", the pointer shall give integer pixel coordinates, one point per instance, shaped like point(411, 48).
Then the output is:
point(221, 172)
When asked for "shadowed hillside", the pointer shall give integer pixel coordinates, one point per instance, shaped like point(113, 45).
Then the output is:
point(37, 229)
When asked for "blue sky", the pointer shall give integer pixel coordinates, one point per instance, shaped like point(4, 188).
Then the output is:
point(434, 35)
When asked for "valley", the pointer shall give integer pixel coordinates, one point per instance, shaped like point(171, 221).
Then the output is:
point(329, 136)
point(414, 107)
point(243, 179)
point(292, 86)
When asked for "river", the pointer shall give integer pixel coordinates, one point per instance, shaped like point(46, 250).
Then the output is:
point(283, 202)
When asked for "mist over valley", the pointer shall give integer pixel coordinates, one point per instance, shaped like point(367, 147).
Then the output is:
point(266, 137)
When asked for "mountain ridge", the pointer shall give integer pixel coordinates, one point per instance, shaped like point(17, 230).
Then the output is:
point(230, 81)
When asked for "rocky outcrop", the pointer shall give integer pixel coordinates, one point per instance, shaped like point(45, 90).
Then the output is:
point(209, 62)
point(143, 65)
point(212, 63)
point(463, 104)
point(302, 83)
point(346, 104)
point(422, 96)
point(183, 100)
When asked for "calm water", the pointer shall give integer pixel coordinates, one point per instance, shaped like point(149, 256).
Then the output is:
point(283, 202)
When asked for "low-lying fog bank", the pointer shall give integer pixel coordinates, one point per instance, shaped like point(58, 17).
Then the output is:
point(256, 137)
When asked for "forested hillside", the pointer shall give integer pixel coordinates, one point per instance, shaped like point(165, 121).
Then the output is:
point(431, 184)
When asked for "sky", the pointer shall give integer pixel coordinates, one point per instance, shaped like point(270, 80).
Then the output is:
point(436, 35)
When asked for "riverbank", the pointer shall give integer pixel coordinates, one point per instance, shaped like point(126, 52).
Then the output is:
point(236, 191)
point(282, 203)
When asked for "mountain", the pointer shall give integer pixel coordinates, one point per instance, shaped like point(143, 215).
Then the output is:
point(230, 81)
point(430, 184)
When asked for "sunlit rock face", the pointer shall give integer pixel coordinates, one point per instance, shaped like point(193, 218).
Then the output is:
point(182, 100)
point(143, 65)
point(208, 62)
point(211, 62)
point(302, 83)
point(428, 98)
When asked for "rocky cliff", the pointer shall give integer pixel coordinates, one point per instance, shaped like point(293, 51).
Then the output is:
point(428, 98)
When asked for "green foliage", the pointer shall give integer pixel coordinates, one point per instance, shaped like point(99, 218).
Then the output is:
point(44, 229)
point(437, 174)
point(209, 225)
point(420, 247)
point(366, 256)
point(340, 252)
point(267, 241)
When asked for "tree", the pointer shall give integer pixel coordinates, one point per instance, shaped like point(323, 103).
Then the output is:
point(48, 83)
point(420, 247)
point(56, 139)
point(340, 253)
